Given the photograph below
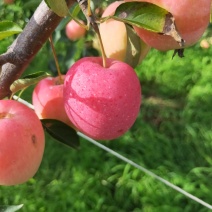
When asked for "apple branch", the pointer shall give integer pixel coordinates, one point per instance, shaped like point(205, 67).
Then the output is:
point(26, 46)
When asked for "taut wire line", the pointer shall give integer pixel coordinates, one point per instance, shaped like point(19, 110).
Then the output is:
point(146, 171)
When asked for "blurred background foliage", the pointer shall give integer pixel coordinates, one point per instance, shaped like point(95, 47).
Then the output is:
point(171, 137)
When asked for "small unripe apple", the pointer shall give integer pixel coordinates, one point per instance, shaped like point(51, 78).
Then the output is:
point(21, 143)
point(74, 31)
point(191, 19)
point(47, 99)
point(204, 44)
point(115, 35)
point(103, 103)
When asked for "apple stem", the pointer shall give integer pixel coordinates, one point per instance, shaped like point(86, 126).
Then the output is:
point(104, 57)
point(91, 20)
point(56, 60)
point(89, 13)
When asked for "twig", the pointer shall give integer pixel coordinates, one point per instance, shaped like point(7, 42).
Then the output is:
point(5, 58)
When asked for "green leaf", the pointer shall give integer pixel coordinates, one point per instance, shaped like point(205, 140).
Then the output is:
point(75, 11)
point(8, 28)
point(10, 208)
point(36, 75)
point(58, 6)
point(148, 16)
point(142, 14)
point(30, 5)
point(61, 132)
point(133, 50)
point(28, 80)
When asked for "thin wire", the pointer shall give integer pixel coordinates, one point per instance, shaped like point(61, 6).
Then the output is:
point(180, 190)
point(17, 98)
point(145, 170)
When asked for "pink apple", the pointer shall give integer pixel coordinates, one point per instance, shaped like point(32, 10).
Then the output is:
point(22, 143)
point(47, 99)
point(74, 31)
point(103, 103)
point(192, 18)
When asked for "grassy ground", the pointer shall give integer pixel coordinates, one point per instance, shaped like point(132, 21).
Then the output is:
point(171, 137)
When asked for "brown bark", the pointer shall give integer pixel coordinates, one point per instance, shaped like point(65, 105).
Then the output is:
point(25, 47)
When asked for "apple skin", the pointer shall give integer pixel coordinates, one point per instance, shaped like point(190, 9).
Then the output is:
point(191, 18)
point(47, 99)
point(22, 143)
point(74, 31)
point(114, 36)
point(102, 103)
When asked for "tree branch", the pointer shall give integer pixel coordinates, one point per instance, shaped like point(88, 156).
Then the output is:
point(26, 46)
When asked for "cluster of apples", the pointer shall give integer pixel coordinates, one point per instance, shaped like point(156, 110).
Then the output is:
point(101, 101)
point(191, 20)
